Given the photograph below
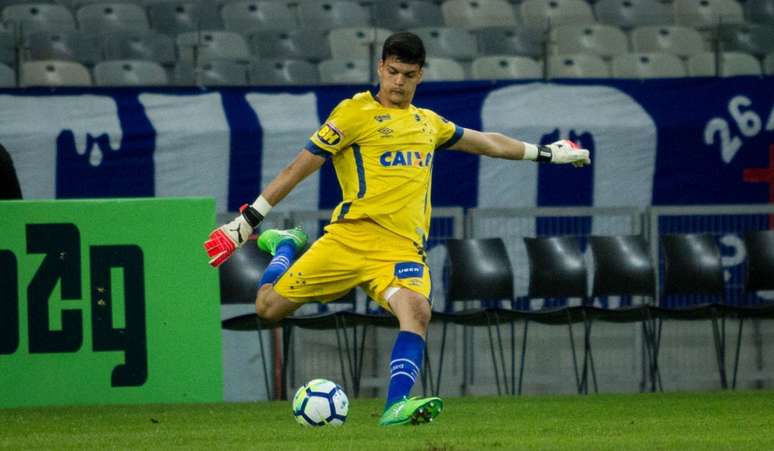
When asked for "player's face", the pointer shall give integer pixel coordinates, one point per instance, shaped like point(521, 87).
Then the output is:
point(398, 82)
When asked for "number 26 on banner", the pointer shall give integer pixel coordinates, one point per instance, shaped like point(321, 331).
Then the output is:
point(747, 121)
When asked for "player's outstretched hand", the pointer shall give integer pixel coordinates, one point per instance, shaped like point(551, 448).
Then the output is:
point(566, 151)
point(224, 240)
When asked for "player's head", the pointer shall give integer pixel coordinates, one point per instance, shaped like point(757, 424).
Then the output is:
point(400, 69)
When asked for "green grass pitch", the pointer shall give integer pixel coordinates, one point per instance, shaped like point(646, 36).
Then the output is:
point(671, 421)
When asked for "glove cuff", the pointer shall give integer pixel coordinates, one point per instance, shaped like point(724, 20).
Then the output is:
point(251, 215)
point(544, 154)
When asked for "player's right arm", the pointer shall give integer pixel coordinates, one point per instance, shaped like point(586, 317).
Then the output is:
point(224, 240)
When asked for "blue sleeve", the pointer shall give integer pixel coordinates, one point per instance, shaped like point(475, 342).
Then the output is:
point(454, 138)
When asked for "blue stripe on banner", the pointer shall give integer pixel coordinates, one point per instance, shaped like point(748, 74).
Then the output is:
point(124, 172)
point(361, 183)
point(245, 162)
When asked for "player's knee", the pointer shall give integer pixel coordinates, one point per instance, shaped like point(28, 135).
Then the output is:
point(263, 305)
point(420, 310)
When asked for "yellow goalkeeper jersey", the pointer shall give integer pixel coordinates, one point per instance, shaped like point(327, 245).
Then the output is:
point(383, 159)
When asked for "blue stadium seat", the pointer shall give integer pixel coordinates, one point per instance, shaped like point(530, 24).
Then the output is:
point(545, 14)
point(407, 14)
point(211, 73)
point(255, 15)
point(180, 16)
point(442, 69)
point(707, 13)
point(309, 45)
point(477, 14)
point(33, 17)
point(506, 67)
point(579, 65)
point(510, 41)
point(731, 64)
point(603, 40)
point(65, 46)
point(633, 13)
point(345, 71)
point(109, 17)
point(447, 42)
point(357, 42)
point(328, 14)
point(648, 65)
point(139, 45)
point(54, 73)
point(676, 39)
point(749, 38)
point(210, 45)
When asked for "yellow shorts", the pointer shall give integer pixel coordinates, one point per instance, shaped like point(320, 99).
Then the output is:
point(356, 253)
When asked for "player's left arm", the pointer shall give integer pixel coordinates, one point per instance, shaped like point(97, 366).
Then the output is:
point(497, 145)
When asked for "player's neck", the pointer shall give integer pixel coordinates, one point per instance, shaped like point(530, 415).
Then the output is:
point(384, 101)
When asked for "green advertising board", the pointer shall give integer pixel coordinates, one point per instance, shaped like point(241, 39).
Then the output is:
point(108, 301)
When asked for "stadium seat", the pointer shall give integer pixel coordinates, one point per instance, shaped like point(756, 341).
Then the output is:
point(557, 269)
point(258, 15)
point(768, 64)
point(149, 46)
point(623, 268)
point(731, 64)
point(445, 42)
point(130, 73)
point(648, 65)
point(477, 14)
point(211, 45)
point(54, 73)
point(7, 76)
point(628, 14)
point(676, 39)
point(759, 11)
point(32, 17)
point(180, 16)
point(505, 67)
point(109, 17)
point(757, 40)
point(345, 71)
point(693, 270)
point(7, 47)
point(283, 72)
point(407, 14)
point(65, 46)
point(357, 42)
point(546, 14)
point(329, 14)
point(217, 72)
point(707, 13)
point(602, 40)
point(578, 65)
point(509, 41)
point(479, 270)
point(442, 69)
point(310, 45)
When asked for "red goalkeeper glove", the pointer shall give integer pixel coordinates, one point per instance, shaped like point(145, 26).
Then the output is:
point(224, 240)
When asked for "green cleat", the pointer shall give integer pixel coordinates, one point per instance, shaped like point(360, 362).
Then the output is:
point(271, 238)
point(412, 411)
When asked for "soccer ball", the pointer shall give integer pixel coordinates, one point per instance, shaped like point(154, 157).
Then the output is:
point(320, 402)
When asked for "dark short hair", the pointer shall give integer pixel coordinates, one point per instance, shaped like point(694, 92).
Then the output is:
point(406, 47)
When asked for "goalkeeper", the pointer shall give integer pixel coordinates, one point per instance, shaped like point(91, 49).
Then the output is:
point(382, 149)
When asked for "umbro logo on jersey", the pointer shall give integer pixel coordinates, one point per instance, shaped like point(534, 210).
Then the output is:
point(385, 131)
point(329, 134)
point(382, 117)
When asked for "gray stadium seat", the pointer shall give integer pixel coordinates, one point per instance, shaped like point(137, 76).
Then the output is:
point(632, 13)
point(7, 47)
point(54, 73)
point(707, 13)
point(477, 14)
point(446, 42)
point(64, 46)
point(677, 39)
point(109, 17)
point(325, 15)
point(603, 40)
point(759, 11)
point(211, 73)
point(149, 46)
point(310, 45)
point(510, 41)
point(768, 64)
point(33, 17)
point(505, 67)
point(731, 64)
point(545, 14)
point(442, 69)
point(179, 16)
point(754, 39)
point(130, 73)
point(211, 45)
point(345, 71)
point(258, 15)
point(7, 76)
point(579, 65)
point(357, 42)
point(648, 65)
point(283, 72)
point(407, 14)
